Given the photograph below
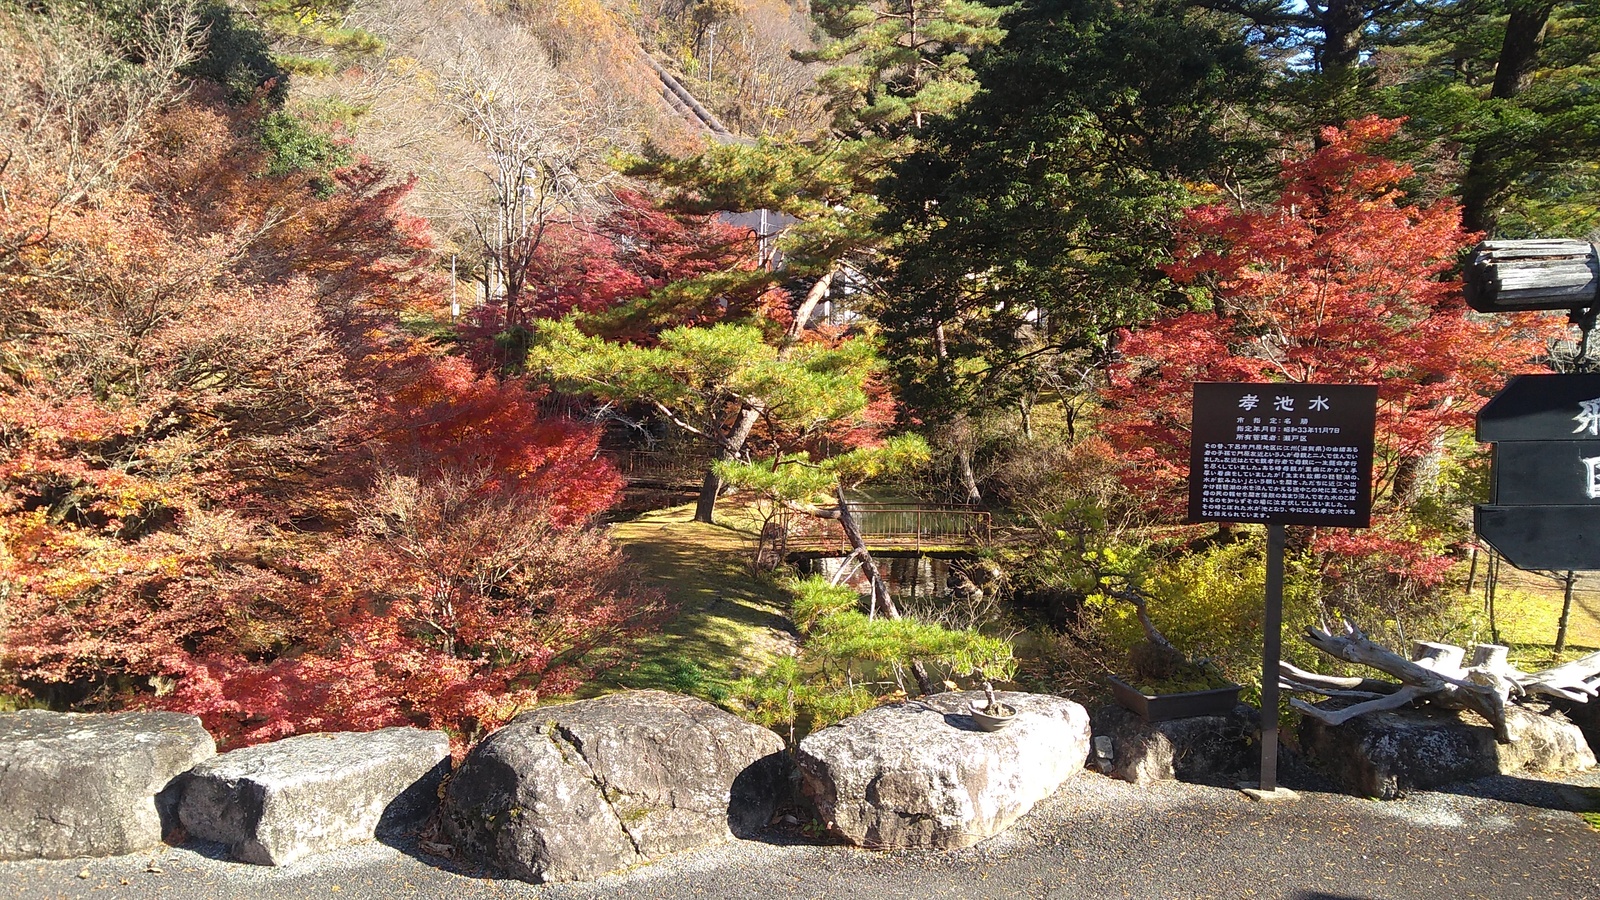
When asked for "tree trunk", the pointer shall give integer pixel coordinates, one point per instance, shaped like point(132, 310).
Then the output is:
point(958, 428)
point(1491, 586)
point(1566, 613)
point(1482, 185)
point(1472, 570)
point(880, 589)
point(731, 447)
point(1519, 51)
point(1343, 23)
point(706, 505)
point(969, 481)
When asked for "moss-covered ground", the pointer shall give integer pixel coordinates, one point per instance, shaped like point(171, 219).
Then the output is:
point(727, 622)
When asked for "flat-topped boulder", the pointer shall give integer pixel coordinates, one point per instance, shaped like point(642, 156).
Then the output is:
point(580, 789)
point(921, 774)
point(85, 784)
point(1387, 754)
point(1193, 748)
point(275, 803)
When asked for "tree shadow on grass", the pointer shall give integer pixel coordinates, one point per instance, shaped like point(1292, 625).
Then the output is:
point(725, 624)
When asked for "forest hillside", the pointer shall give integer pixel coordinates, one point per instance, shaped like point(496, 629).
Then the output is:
point(328, 329)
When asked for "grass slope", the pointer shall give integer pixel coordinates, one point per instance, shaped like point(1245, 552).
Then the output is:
point(728, 623)
point(1528, 610)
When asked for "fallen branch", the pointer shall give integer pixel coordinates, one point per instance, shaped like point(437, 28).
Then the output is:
point(1577, 680)
point(1402, 697)
point(1418, 681)
point(1314, 682)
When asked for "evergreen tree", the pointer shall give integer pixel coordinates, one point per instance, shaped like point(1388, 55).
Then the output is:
point(900, 61)
point(716, 382)
point(1505, 94)
point(1035, 221)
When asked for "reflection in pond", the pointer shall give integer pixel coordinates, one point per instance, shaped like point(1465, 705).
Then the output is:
point(909, 577)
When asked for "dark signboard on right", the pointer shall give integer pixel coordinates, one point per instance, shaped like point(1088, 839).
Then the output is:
point(1545, 484)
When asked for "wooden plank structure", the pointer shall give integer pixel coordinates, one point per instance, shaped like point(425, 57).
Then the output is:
point(1516, 276)
point(891, 527)
point(658, 467)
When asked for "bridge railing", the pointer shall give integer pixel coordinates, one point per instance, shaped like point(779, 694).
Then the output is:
point(891, 526)
point(657, 465)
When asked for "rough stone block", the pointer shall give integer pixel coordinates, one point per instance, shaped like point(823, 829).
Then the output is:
point(276, 803)
point(85, 784)
point(1584, 715)
point(1386, 754)
point(580, 789)
point(1196, 748)
point(920, 773)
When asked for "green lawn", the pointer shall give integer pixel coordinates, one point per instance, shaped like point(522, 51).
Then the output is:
point(727, 624)
point(1528, 611)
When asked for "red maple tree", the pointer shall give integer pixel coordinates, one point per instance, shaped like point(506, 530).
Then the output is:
point(1338, 281)
point(233, 484)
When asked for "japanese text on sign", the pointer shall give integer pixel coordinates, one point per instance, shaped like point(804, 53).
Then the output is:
point(1282, 454)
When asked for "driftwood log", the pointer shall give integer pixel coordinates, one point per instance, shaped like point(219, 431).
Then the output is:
point(1436, 674)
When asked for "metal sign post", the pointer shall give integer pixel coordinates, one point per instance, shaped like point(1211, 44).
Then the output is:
point(1272, 652)
point(1281, 454)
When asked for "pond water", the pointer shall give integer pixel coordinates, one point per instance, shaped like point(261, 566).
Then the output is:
point(909, 577)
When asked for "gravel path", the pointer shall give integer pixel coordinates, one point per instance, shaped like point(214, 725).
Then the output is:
point(1497, 838)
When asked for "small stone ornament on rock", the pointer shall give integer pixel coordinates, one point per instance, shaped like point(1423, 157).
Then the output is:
point(990, 714)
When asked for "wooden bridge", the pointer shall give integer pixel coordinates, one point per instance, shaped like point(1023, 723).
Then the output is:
point(888, 526)
point(892, 527)
point(658, 467)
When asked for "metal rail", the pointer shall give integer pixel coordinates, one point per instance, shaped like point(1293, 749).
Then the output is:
point(656, 465)
point(891, 526)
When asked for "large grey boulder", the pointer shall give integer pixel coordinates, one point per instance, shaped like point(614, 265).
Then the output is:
point(580, 789)
point(920, 774)
point(85, 784)
point(275, 803)
point(1387, 754)
point(1194, 748)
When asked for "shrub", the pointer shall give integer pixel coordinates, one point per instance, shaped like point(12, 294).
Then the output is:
point(846, 654)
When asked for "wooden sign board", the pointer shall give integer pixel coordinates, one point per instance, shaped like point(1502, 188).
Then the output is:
point(1514, 276)
point(1546, 473)
point(1543, 408)
point(1545, 482)
point(1557, 538)
point(1282, 454)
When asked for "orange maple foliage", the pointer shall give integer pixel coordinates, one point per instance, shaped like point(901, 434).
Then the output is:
point(232, 484)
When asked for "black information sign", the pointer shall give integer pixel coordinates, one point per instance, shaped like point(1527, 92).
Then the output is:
point(1545, 512)
point(1282, 454)
point(1543, 408)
